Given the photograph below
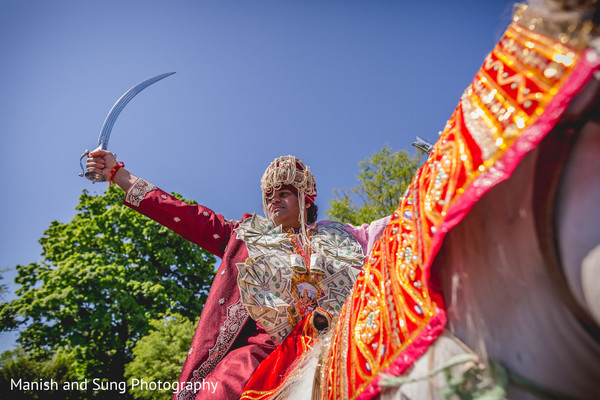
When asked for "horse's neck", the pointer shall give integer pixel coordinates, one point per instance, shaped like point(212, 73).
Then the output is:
point(578, 220)
point(500, 300)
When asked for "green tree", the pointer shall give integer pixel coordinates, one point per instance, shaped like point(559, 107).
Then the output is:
point(159, 356)
point(18, 367)
point(103, 277)
point(3, 287)
point(383, 179)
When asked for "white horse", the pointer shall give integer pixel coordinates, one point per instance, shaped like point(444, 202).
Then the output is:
point(495, 268)
point(520, 276)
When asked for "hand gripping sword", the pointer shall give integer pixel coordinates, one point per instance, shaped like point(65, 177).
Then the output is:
point(110, 121)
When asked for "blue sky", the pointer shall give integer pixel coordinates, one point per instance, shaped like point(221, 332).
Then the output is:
point(331, 82)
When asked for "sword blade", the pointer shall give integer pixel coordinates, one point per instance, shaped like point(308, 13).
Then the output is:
point(120, 104)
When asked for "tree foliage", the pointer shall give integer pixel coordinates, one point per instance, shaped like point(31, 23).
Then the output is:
point(383, 179)
point(159, 356)
point(18, 365)
point(103, 277)
point(3, 287)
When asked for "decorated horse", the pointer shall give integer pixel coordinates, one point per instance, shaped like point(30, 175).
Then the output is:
point(486, 282)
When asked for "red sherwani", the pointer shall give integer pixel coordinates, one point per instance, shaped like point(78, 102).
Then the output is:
point(228, 345)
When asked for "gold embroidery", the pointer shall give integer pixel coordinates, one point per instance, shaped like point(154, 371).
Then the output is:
point(138, 192)
point(236, 317)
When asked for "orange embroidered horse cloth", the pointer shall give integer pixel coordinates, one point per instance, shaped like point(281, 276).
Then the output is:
point(273, 372)
point(396, 309)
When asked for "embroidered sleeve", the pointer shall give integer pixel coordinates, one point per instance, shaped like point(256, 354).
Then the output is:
point(138, 191)
point(196, 223)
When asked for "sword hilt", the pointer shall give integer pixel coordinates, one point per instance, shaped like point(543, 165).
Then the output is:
point(91, 175)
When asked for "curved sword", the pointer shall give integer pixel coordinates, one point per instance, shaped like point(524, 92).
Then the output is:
point(110, 121)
